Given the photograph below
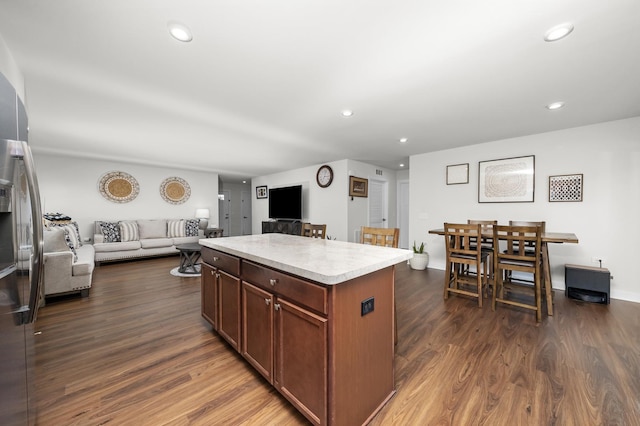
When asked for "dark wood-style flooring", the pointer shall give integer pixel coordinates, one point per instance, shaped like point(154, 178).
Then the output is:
point(137, 352)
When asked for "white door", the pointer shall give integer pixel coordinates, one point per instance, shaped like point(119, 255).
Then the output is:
point(378, 204)
point(403, 213)
point(245, 200)
point(224, 204)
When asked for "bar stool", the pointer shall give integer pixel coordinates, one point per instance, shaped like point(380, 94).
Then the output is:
point(314, 231)
point(515, 258)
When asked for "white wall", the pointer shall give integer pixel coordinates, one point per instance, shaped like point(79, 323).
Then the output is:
point(10, 70)
point(606, 221)
point(331, 205)
point(70, 186)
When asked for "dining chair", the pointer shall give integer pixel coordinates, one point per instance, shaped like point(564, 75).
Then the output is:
point(523, 255)
point(463, 251)
point(487, 243)
point(314, 231)
point(386, 237)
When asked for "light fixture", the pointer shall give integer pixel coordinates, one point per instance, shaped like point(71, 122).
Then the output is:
point(558, 32)
point(347, 113)
point(404, 140)
point(179, 31)
point(401, 164)
point(555, 105)
point(203, 215)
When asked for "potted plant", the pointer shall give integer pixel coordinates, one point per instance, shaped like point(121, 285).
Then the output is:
point(420, 258)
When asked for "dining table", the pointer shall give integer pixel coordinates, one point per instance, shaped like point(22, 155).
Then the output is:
point(546, 238)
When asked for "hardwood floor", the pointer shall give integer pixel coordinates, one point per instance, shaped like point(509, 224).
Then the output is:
point(138, 352)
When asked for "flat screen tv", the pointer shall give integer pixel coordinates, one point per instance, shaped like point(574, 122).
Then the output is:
point(286, 203)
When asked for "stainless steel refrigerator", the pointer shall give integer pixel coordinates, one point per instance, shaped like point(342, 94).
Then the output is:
point(20, 280)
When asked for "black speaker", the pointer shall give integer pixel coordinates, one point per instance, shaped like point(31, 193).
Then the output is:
point(587, 283)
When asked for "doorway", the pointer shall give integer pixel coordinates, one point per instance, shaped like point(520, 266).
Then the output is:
point(378, 203)
point(224, 203)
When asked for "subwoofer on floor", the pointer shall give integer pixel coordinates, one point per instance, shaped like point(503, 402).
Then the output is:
point(587, 283)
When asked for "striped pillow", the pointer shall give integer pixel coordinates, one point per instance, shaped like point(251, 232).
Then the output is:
point(129, 231)
point(175, 228)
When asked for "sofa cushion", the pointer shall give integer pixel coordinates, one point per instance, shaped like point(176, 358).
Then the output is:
point(191, 227)
point(111, 231)
point(152, 229)
point(175, 228)
point(129, 231)
point(85, 264)
point(73, 229)
point(156, 242)
point(118, 246)
point(54, 240)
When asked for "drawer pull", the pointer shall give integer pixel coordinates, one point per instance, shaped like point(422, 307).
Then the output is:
point(276, 306)
point(216, 258)
point(273, 281)
point(217, 275)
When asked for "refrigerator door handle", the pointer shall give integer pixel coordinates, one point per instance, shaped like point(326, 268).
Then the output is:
point(37, 259)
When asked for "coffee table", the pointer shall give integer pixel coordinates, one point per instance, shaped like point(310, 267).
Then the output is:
point(189, 256)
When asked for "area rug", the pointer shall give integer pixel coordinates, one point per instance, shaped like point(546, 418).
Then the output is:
point(175, 273)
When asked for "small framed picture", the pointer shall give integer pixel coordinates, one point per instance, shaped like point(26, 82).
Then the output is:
point(261, 192)
point(358, 187)
point(458, 174)
point(565, 188)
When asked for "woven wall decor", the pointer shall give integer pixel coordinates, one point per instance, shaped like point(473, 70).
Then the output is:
point(175, 190)
point(118, 187)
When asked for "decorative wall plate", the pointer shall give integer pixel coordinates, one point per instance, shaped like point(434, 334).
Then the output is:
point(175, 190)
point(118, 187)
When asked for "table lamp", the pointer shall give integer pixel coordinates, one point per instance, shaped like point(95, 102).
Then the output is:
point(203, 215)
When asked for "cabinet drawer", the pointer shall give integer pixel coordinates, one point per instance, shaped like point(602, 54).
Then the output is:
point(295, 289)
point(220, 260)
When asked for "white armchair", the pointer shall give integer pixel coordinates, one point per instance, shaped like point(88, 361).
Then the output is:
point(64, 270)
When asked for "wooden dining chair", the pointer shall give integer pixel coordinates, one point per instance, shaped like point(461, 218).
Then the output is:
point(522, 255)
point(314, 231)
point(387, 237)
point(487, 243)
point(463, 251)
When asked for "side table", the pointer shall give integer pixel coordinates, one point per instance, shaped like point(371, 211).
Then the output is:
point(189, 256)
point(213, 232)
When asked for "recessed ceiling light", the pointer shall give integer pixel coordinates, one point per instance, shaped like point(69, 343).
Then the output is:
point(558, 32)
point(401, 164)
point(555, 105)
point(347, 113)
point(180, 32)
point(404, 140)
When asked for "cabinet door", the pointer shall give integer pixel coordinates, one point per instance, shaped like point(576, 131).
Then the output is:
point(301, 359)
point(257, 329)
point(229, 308)
point(209, 295)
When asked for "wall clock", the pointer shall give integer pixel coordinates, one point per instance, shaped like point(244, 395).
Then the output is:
point(324, 177)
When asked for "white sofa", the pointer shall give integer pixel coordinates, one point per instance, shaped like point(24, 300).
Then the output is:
point(68, 264)
point(132, 239)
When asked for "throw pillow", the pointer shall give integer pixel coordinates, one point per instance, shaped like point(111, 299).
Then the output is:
point(54, 240)
point(175, 228)
point(129, 231)
point(69, 239)
point(74, 230)
point(111, 231)
point(152, 229)
point(191, 227)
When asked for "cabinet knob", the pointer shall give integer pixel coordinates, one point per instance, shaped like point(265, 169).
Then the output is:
point(216, 258)
point(213, 273)
point(267, 301)
point(276, 306)
point(273, 281)
point(217, 275)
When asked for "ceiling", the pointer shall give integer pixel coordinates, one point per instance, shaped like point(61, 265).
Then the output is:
point(261, 87)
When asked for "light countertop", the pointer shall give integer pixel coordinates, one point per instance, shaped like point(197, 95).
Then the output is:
point(324, 261)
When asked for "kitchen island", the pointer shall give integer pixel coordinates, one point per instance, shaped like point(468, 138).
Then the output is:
point(315, 317)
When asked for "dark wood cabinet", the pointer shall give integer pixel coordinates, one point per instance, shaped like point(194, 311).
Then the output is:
point(309, 340)
point(209, 294)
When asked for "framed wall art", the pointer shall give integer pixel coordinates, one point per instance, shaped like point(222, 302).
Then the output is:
point(261, 192)
point(508, 180)
point(565, 188)
point(358, 187)
point(458, 174)
point(175, 190)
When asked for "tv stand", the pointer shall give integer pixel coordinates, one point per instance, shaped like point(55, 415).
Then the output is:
point(291, 227)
